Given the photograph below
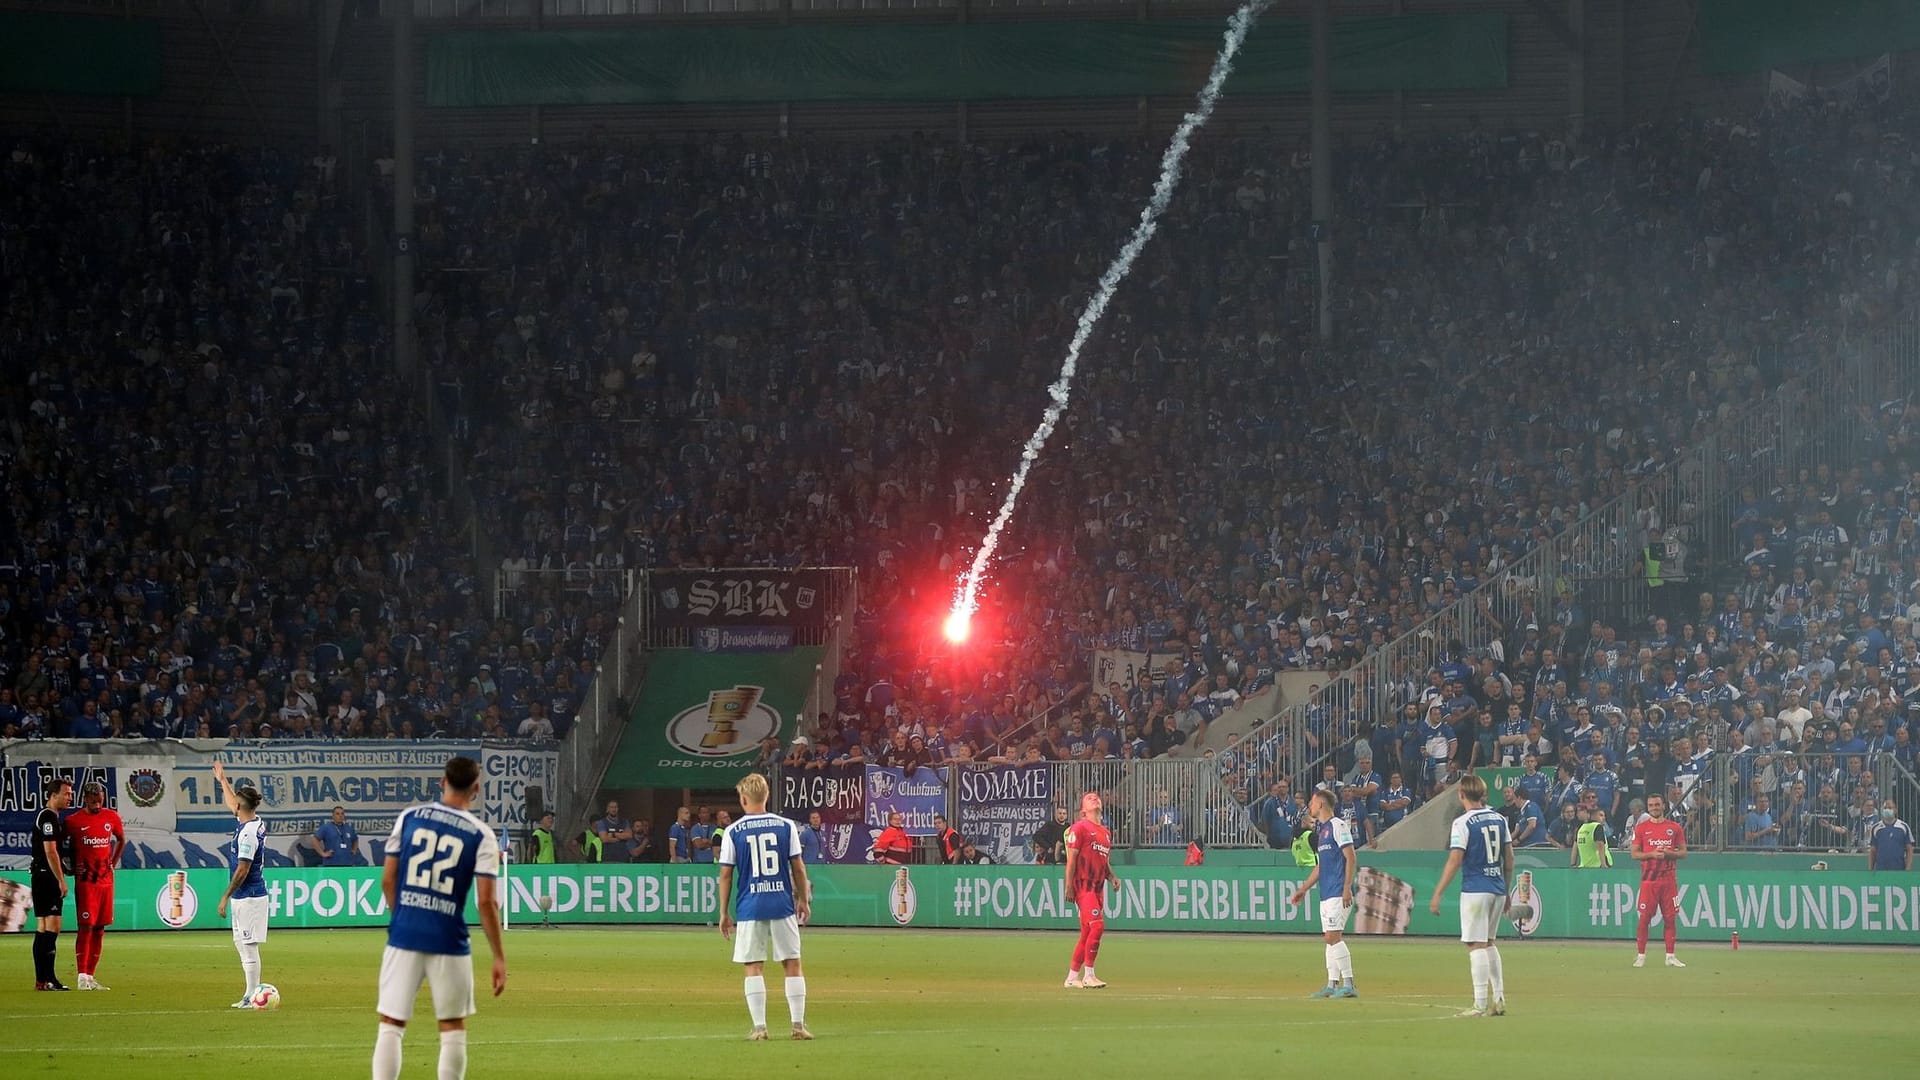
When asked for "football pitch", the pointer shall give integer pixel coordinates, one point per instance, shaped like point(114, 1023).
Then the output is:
point(586, 1003)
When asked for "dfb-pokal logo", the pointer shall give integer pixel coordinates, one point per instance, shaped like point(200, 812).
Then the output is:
point(176, 903)
point(730, 722)
point(146, 787)
point(903, 901)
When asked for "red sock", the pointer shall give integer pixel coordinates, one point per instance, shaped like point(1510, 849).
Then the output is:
point(1673, 932)
point(1093, 941)
point(1080, 957)
point(80, 950)
point(1640, 935)
point(90, 943)
point(99, 945)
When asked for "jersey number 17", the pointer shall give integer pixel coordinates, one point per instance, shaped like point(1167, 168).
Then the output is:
point(1490, 836)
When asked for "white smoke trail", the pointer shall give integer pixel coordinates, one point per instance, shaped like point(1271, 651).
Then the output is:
point(1237, 27)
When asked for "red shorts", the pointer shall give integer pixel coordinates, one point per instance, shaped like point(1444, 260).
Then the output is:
point(93, 903)
point(1092, 906)
point(1659, 896)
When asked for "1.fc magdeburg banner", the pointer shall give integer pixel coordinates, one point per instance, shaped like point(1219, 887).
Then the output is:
point(701, 718)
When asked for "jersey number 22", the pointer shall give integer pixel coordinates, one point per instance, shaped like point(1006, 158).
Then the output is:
point(439, 876)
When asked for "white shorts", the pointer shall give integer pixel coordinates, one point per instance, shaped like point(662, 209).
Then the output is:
point(449, 977)
point(1480, 917)
point(250, 920)
point(1333, 915)
point(752, 940)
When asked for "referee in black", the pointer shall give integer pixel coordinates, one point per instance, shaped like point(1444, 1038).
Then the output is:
point(49, 880)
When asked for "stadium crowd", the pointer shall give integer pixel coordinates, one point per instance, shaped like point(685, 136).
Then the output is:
point(752, 353)
point(220, 519)
point(817, 352)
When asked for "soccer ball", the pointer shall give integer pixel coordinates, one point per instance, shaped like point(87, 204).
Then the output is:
point(264, 996)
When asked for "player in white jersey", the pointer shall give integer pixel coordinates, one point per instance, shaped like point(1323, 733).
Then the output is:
point(1335, 873)
point(247, 890)
point(1481, 852)
point(437, 854)
point(764, 850)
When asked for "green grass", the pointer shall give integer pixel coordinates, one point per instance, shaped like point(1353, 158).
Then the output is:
point(588, 1003)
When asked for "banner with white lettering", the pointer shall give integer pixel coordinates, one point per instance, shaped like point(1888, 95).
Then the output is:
point(1001, 806)
point(1120, 669)
point(23, 793)
point(506, 774)
point(917, 797)
point(743, 598)
point(1814, 907)
point(300, 782)
point(138, 777)
point(838, 794)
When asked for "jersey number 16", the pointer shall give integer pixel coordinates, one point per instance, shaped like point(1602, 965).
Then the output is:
point(764, 854)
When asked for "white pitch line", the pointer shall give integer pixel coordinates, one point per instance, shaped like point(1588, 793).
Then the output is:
point(612, 1039)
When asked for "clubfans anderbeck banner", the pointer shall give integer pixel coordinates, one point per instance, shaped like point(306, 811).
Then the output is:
point(1836, 907)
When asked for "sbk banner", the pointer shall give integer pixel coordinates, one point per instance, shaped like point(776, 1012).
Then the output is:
point(838, 794)
point(744, 598)
point(1001, 806)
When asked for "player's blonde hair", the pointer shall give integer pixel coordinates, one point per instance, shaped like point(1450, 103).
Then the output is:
point(1473, 787)
point(752, 790)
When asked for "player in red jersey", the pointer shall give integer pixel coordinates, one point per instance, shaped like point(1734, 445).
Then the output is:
point(98, 839)
point(1088, 871)
point(1658, 843)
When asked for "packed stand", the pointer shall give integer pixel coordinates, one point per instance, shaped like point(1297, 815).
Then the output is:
point(220, 518)
point(1771, 708)
point(814, 352)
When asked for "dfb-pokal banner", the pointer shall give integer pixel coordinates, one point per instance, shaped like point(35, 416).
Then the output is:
point(702, 719)
point(916, 796)
point(1814, 907)
point(1001, 806)
point(838, 794)
point(742, 598)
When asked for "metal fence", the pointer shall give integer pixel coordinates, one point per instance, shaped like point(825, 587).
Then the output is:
point(1165, 802)
point(1590, 569)
point(1794, 802)
point(518, 591)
